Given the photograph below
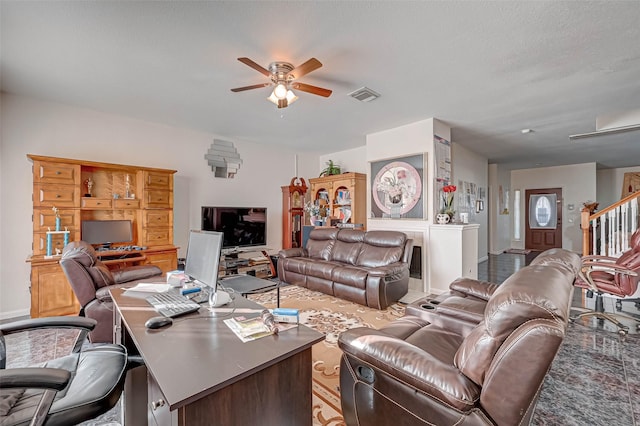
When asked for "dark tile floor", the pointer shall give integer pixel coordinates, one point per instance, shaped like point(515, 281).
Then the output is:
point(595, 378)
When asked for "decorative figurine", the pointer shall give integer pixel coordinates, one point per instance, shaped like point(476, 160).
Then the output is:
point(89, 184)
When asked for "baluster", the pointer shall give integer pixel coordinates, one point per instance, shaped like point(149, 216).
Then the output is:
point(603, 238)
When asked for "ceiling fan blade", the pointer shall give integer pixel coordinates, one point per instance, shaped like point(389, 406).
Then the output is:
point(255, 66)
point(312, 89)
point(255, 86)
point(304, 69)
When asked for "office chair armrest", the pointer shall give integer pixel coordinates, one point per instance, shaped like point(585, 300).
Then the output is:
point(596, 257)
point(34, 378)
point(85, 324)
point(590, 267)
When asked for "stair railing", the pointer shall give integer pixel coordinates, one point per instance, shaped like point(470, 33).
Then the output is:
point(607, 232)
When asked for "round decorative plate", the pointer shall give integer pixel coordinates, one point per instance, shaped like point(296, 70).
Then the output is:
point(397, 184)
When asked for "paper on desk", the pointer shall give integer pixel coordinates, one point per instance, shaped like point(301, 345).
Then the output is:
point(149, 288)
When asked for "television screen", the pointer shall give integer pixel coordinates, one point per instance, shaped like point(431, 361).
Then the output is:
point(107, 232)
point(241, 226)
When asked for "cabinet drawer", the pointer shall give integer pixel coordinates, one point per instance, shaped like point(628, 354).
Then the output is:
point(157, 218)
point(126, 203)
point(45, 219)
point(165, 261)
point(56, 195)
point(157, 236)
point(158, 180)
point(56, 173)
point(158, 198)
point(96, 203)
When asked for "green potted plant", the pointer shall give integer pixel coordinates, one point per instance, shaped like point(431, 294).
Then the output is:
point(331, 169)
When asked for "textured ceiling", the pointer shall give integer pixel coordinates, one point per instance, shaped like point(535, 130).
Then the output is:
point(488, 69)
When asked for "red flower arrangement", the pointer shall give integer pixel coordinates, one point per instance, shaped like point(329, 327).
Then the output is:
point(447, 198)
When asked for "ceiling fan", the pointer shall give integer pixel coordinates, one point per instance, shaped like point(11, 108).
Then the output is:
point(284, 77)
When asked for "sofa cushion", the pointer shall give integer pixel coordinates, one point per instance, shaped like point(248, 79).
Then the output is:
point(381, 248)
point(320, 243)
point(321, 269)
point(350, 275)
point(347, 246)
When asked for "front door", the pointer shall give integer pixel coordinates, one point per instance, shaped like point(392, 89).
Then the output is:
point(543, 219)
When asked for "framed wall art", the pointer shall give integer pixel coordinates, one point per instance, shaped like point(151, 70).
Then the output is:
point(397, 187)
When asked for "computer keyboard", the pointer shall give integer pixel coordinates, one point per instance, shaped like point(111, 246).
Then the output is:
point(172, 305)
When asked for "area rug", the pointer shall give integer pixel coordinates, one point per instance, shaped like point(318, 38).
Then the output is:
point(517, 251)
point(331, 316)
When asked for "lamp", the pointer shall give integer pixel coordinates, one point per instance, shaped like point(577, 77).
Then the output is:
point(282, 101)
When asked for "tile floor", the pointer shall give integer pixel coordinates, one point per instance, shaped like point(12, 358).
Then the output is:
point(594, 380)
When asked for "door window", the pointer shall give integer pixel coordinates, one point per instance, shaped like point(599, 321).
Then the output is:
point(542, 211)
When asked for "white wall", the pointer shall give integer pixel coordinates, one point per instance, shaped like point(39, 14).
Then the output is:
point(578, 183)
point(499, 224)
point(609, 185)
point(471, 167)
point(350, 160)
point(43, 128)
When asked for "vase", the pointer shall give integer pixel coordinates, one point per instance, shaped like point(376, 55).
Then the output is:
point(442, 218)
point(395, 199)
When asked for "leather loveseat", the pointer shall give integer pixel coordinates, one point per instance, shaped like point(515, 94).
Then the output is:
point(414, 372)
point(370, 268)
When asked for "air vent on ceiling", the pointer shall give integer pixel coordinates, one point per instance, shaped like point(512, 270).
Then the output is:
point(364, 94)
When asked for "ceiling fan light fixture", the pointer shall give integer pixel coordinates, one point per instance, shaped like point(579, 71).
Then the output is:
point(280, 91)
point(289, 98)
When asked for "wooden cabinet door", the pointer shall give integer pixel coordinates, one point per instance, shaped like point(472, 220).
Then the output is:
point(165, 261)
point(51, 294)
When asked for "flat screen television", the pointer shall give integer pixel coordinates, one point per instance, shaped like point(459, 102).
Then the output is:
point(203, 257)
point(107, 232)
point(241, 226)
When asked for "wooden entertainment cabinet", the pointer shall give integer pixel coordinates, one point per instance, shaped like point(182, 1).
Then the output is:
point(143, 195)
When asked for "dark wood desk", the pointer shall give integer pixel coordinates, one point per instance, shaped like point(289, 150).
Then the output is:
point(200, 373)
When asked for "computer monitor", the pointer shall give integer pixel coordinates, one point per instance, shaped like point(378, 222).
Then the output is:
point(203, 258)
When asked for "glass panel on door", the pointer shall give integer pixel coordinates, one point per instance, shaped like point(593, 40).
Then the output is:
point(542, 211)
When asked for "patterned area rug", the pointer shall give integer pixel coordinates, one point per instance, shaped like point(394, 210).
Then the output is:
point(331, 316)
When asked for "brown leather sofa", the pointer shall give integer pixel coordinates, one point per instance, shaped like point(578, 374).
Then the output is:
point(91, 281)
point(369, 268)
point(413, 372)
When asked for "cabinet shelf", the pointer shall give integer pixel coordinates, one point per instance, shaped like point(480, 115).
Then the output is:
point(342, 192)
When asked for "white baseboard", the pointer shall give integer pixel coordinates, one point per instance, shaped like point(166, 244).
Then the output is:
point(15, 314)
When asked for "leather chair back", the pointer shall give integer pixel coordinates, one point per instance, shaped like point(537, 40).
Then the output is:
point(84, 271)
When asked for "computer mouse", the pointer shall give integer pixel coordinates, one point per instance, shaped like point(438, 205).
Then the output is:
point(157, 322)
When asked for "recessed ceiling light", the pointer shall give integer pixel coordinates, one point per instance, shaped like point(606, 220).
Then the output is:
point(525, 131)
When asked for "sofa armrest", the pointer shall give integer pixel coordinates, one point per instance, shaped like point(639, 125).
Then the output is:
point(387, 270)
point(293, 252)
point(476, 288)
point(411, 365)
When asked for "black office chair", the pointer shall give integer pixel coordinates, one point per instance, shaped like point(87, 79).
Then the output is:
point(64, 391)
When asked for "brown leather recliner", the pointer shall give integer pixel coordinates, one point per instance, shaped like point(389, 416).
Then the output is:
point(412, 372)
point(91, 280)
point(462, 307)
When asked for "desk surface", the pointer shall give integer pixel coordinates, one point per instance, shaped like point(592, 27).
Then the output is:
point(198, 354)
